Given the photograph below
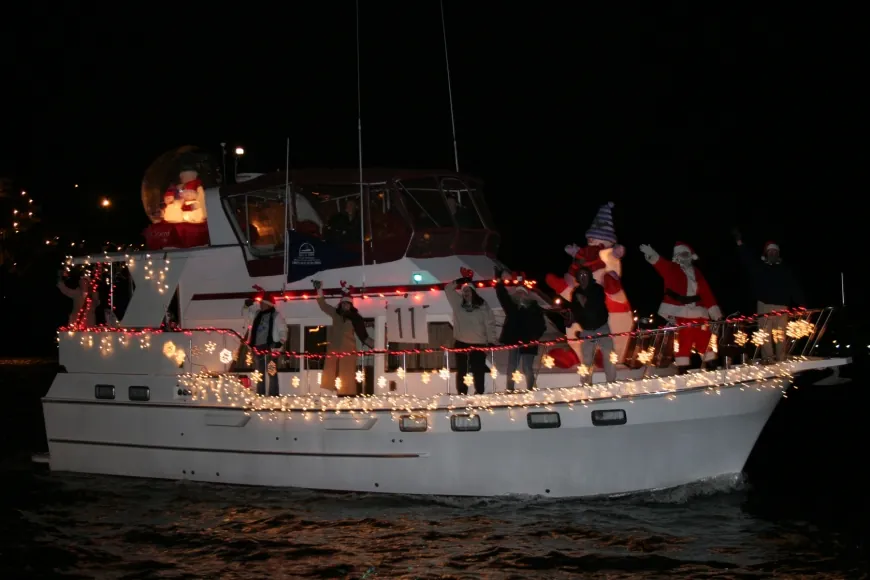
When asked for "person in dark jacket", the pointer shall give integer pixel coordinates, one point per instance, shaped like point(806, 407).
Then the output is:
point(589, 310)
point(523, 322)
point(776, 288)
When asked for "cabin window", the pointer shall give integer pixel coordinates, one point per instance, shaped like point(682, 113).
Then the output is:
point(260, 221)
point(315, 343)
point(460, 204)
point(440, 334)
point(388, 231)
point(266, 223)
point(293, 344)
point(426, 203)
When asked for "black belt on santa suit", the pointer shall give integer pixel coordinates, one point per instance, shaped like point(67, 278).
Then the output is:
point(684, 300)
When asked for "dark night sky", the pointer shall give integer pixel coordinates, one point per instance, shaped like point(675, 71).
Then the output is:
point(691, 121)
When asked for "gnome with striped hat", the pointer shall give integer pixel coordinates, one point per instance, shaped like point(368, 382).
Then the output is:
point(603, 256)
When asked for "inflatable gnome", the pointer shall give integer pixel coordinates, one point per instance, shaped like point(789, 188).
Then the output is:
point(192, 196)
point(687, 300)
point(603, 256)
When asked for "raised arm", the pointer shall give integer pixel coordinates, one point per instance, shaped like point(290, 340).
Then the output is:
point(326, 308)
point(665, 268)
point(453, 297)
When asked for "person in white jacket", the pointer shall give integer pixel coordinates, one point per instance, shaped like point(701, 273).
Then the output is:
point(267, 332)
point(473, 325)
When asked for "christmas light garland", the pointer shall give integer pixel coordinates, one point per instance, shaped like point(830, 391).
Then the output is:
point(795, 329)
point(227, 390)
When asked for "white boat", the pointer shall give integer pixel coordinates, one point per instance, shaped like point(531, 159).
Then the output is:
point(143, 401)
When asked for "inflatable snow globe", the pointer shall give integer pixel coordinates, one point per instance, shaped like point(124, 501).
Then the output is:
point(173, 196)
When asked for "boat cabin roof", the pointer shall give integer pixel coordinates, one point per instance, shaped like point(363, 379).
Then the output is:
point(324, 176)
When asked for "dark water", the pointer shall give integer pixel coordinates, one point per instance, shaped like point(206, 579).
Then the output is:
point(800, 512)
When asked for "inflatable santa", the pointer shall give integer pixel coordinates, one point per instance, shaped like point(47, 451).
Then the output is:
point(687, 300)
point(603, 256)
point(193, 197)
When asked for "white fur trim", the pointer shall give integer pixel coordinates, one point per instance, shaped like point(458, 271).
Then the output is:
point(691, 280)
point(683, 248)
point(681, 361)
point(680, 311)
point(709, 355)
point(715, 313)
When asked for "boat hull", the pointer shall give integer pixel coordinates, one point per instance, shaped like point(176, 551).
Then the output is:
point(667, 440)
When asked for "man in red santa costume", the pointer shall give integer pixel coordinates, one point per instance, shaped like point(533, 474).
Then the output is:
point(687, 300)
point(603, 256)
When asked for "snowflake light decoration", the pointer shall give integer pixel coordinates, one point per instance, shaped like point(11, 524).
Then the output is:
point(169, 349)
point(359, 376)
point(645, 356)
point(517, 377)
point(272, 368)
point(337, 383)
point(582, 370)
point(740, 338)
point(210, 346)
point(468, 379)
point(444, 373)
point(759, 337)
point(799, 328)
point(295, 382)
point(145, 341)
point(400, 372)
point(548, 361)
point(676, 345)
point(426, 377)
point(256, 377)
point(382, 382)
point(249, 359)
point(714, 343)
point(614, 358)
point(777, 335)
point(226, 356)
point(493, 372)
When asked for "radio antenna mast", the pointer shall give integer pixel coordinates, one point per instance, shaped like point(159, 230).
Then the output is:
point(449, 88)
point(362, 227)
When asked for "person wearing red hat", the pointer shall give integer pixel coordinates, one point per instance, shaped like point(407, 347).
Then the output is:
point(776, 288)
point(267, 332)
point(688, 299)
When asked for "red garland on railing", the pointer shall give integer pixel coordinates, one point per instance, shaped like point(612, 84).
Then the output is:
point(558, 341)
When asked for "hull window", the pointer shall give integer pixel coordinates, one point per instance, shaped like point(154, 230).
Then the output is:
point(465, 422)
point(609, 417)
point(139, 393)
point(104, 391)
point(541, 420)
point(410, 424)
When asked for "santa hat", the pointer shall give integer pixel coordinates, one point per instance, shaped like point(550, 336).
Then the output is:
point(602, 225)
point(466, 273)
point(346, 292)
point(684, 247)
point(261, 296)
point(771, 246)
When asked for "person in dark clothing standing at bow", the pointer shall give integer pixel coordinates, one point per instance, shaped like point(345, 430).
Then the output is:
point(589, 309)
point(523, 322)
point(776, 288)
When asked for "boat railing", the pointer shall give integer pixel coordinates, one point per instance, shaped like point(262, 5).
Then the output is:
point(735, 340)
point(738, 339)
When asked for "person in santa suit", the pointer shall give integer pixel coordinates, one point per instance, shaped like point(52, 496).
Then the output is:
point(688, 299)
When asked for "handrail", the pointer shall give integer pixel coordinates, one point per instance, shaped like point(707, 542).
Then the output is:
point(718, 328)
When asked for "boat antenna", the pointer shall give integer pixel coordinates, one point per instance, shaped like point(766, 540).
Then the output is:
point(449, 88)
point(362, 228)
point(224, 162)
point(842, 289)
point(286, 210)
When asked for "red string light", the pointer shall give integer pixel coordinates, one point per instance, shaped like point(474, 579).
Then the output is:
point(498, 348)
